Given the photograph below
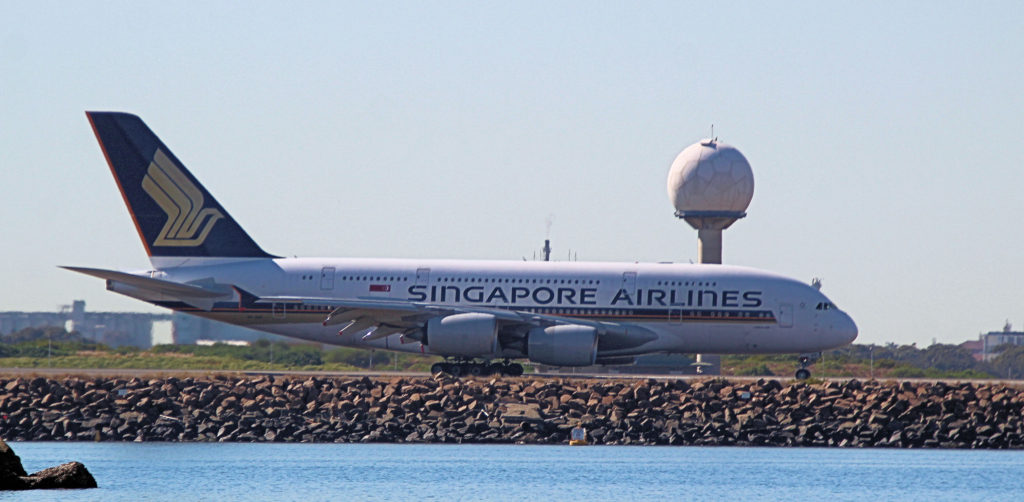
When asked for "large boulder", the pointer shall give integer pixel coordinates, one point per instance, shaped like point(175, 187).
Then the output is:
point(10, 463)
point(14, 477)
point(69, 475)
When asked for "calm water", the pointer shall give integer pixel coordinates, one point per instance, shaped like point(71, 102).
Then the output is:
point(276, 472)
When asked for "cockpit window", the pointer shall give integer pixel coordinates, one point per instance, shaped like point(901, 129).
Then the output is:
point(824, 306)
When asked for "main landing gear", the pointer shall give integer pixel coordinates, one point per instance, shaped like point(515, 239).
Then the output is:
point(459, 368)
point(806, 360)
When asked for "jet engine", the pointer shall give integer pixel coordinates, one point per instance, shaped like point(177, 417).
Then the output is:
point(563, 345)
point(463, 335)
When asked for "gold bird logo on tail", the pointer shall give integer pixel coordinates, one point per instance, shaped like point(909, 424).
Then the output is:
point(188, 223)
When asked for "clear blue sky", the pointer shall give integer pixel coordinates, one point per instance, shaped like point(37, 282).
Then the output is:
point(885, 138)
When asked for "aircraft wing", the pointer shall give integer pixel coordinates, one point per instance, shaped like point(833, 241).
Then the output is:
point(398, 316)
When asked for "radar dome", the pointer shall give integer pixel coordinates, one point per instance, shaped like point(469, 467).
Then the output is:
point(710, 178)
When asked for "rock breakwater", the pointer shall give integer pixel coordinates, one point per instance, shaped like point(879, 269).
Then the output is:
point(513, 410)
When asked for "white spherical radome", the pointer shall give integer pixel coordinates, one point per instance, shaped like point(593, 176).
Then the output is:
point(710, 176)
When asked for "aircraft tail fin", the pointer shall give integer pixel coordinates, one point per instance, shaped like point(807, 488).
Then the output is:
point(173, 213)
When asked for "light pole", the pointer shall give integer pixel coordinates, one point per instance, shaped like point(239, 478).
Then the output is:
point(871, 354)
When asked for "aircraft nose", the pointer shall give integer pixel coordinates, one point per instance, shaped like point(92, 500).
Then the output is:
point(844, 329)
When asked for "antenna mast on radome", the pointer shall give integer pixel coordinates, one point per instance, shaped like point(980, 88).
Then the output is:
point(546, 252)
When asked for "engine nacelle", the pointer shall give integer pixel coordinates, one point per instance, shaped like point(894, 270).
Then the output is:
point(563, 345)
point(463, 335)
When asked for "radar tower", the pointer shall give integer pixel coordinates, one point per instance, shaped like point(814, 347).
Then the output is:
point(710, 184)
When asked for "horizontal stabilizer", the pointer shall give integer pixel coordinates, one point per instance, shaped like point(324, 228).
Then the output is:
point(149, 284)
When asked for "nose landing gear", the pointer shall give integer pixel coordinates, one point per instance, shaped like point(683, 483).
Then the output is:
point(806, 360)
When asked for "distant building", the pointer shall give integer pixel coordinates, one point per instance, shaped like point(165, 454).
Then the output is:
point(136, 329)
point(111, 328)
point(991, 341)
point(975, 347)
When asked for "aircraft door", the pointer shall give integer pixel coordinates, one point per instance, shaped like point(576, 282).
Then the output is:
point(327, 278)
point(786, 315)
point(422, 276)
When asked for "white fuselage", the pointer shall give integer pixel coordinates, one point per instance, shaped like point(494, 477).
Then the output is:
point(691, 308)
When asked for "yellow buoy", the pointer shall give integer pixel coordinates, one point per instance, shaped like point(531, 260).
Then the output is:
point(578, 436)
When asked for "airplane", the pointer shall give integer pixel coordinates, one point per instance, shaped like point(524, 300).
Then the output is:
point(480, 316)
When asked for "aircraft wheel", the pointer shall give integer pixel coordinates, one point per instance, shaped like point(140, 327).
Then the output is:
point(456, 369)
point(476, 370)
point(514, 369)
point(803, 374)
point(437, 368)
